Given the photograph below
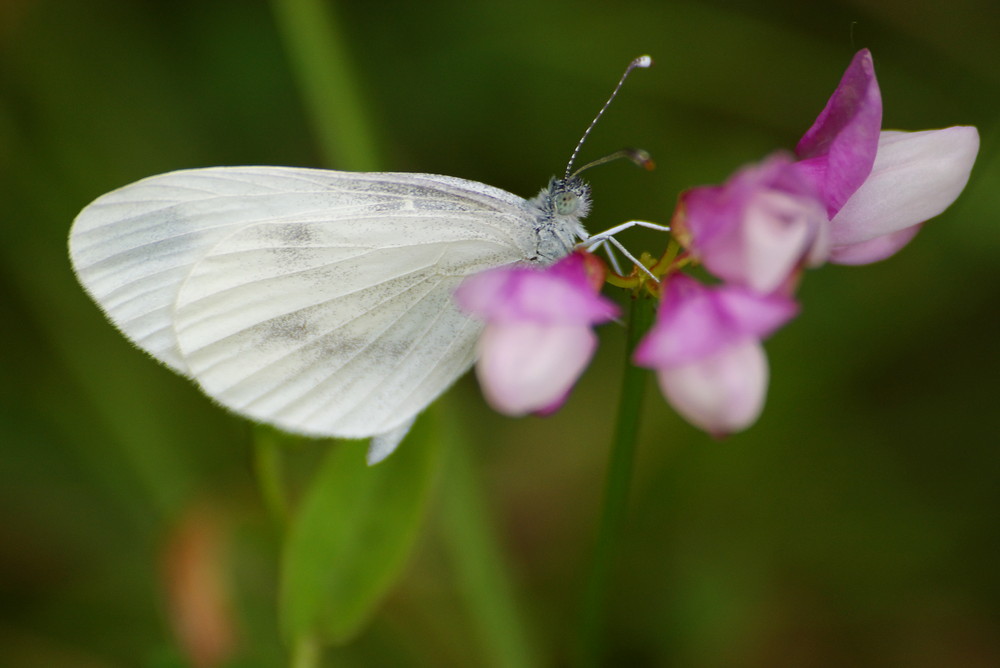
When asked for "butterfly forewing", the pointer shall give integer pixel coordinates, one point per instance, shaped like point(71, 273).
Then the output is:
point(319, 301)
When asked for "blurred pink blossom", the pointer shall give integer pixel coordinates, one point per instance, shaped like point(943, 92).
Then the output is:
point(538, 337)
point(706, 350)
point(758, 228)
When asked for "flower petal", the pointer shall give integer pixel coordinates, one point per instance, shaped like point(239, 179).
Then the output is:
point(838, 151)
point(875, 249)
point(754, 314)
point(917, 175)
point(561, 293)
point(758, 228)
point(695, 321)
point(525, 367)
point(776, 230)
point(689, 325)
point(722, 393)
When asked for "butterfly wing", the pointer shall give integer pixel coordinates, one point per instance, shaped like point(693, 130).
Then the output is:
point(318, 301)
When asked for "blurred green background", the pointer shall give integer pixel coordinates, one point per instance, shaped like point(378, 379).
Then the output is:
point(855, 524)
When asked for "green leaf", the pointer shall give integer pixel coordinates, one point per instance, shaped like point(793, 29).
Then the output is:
point(351, 536)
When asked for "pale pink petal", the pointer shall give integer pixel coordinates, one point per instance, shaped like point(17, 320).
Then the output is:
point(722, 393)
point(875, 249)
point(916, 176)
point(821, 247)
point(776, 229)
point(525, 367)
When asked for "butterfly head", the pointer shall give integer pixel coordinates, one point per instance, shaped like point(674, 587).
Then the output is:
point(566, 198)
point(558, 209)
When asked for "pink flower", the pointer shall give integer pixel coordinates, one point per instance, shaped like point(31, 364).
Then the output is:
point(878, 187)
point(538, 337)
point(758, 228)
point(706, 350)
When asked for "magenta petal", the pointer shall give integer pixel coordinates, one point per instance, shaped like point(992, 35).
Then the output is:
point(695, 321)
point(479, 294)
point(561, 293)
point(689, 325)
point(838, 151)
point(754, 314)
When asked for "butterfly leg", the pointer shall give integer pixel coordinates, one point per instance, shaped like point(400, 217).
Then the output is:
point(630, 224)
point(607, 239)
point(610, 252)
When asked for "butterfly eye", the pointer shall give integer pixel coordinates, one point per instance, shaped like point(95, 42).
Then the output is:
point(566, 203)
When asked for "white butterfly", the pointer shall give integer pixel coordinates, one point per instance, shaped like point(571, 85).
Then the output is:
point(317, 301)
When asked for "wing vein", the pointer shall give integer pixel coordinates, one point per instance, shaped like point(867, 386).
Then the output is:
point(349, 360)
point(414, 346)
point(292, 351)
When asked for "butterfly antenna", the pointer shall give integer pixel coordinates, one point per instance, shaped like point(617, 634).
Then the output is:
point(641, 61)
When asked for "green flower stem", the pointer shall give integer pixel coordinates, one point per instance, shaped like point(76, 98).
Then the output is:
point(322, 65)
point(483, 577)
point(619, 476)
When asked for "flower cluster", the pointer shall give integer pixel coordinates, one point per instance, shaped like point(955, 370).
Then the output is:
point(852, 193)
